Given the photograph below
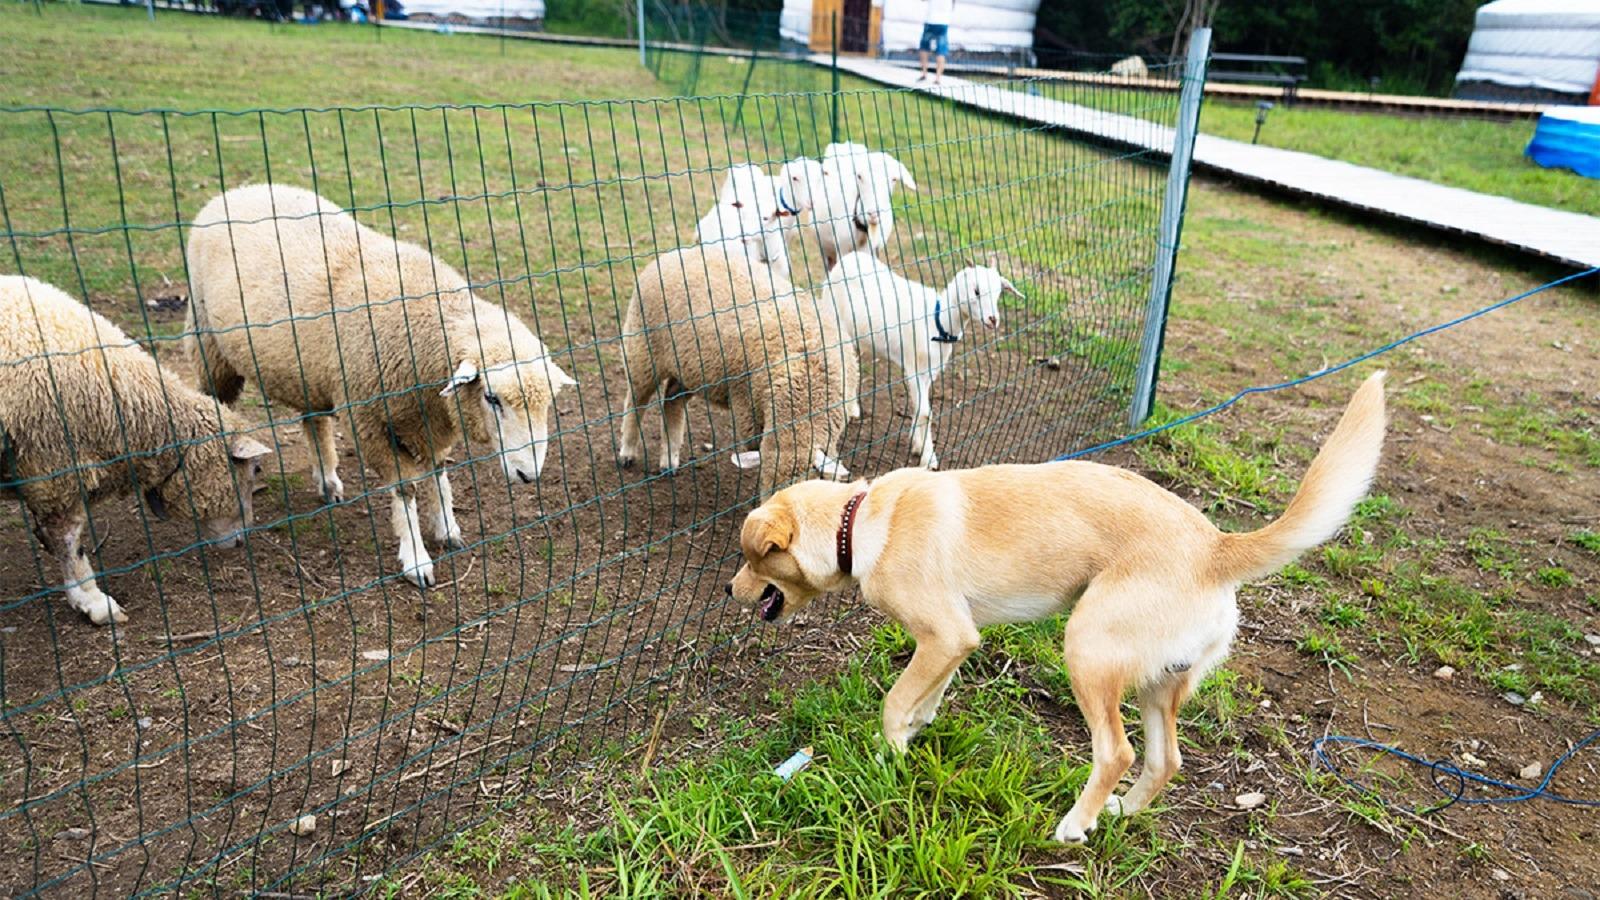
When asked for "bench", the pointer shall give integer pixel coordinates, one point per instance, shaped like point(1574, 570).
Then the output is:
point(1286, 71)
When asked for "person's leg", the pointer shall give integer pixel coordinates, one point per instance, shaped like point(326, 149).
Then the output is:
point(942, 51)
point(924, 44)
point(922, 73)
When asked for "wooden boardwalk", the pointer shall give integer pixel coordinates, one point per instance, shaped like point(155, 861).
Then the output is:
point(1568, 238)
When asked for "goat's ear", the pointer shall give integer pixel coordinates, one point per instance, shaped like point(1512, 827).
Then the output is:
point(905, 177)
point(766, 530)
point(465, 374)
point(244, 449)
point(1006, 285)
point(559, 379)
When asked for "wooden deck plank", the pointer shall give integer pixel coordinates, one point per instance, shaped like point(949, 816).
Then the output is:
point(1568, 238)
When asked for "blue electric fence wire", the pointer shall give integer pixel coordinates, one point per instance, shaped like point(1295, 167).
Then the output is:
point(1321, 373)
point(1453, 781)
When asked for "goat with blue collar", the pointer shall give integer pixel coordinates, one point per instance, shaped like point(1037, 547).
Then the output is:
point(914, 326)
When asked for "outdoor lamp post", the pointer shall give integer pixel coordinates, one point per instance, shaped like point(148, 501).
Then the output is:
point(1262, 108)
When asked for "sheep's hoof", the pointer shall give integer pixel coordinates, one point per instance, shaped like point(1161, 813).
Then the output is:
point(332, 491)
point(421, 575)
point(626, 461)
point(455, 541)
point(103, 610)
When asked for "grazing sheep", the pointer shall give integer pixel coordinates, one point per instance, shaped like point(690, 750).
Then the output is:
point(707, 321)
point(86, 414)
point(851, 206)
point(326, 314)
point(912, 325)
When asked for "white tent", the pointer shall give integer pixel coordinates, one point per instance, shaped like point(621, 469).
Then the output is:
point(978, 25)
point(1544, 45)
point(477, 9)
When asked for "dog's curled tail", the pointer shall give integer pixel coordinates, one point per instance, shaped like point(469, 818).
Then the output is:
point(1337, 480)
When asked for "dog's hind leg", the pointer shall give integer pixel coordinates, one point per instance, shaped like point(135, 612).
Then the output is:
point(1098, 683)
point(939, 653)
point(1158, 707)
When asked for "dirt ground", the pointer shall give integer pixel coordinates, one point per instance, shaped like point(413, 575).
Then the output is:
point(302, 676)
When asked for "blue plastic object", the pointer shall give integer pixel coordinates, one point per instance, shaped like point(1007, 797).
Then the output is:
point(1568, 137)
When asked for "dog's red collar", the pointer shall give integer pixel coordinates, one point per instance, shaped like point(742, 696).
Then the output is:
point(847, 524)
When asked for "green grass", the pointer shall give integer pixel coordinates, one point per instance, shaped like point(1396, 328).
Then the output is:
point(1478, 155)
point(966, 813)
point(554, 206)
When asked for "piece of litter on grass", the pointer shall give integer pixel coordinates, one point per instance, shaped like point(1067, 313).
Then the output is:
point(1250, 800)
point(339, 767)
point(1514, 698)
point(304, 825)
point(748, 459)
point(146, 722)
point(375, 655)
point(1531, 771)
point(1473, 761)
point(1444, 673)
point(787, 769)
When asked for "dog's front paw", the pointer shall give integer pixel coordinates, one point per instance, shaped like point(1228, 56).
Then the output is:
point(1070, 832)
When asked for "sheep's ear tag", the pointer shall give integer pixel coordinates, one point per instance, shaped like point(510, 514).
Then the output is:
point(827, 466)
point(465, 374)
point(158, 506)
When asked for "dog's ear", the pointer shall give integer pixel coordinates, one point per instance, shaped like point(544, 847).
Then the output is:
point(766, 530)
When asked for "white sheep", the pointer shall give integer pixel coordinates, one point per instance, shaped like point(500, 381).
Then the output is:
point(708, 321)
point(850, 199)
point(86, 414)
point(327, 315)
point(912, 325)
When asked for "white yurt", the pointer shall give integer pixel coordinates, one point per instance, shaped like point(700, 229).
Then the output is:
point(486, 11)
point(977, 26)
point(1532, 49)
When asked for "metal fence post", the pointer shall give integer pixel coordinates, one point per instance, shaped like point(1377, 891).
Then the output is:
point(1171, 227)
point(642, 60)
point(834, 117)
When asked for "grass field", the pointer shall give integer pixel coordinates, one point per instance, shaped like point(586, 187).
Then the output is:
point(1478, 549)
point(1479, 155)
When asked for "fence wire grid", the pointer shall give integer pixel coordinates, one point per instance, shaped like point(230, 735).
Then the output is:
point(302, 673)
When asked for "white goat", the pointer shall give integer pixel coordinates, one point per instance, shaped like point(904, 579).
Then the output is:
point(914, 326)
point(850, 202)
point(759, 212)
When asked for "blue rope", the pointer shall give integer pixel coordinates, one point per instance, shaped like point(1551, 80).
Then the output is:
point(1321, 373)
point(1451, 780)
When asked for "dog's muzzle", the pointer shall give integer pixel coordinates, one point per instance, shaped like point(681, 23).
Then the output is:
point(771, 603)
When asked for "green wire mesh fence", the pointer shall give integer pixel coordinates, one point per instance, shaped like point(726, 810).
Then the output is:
point(303, 673)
